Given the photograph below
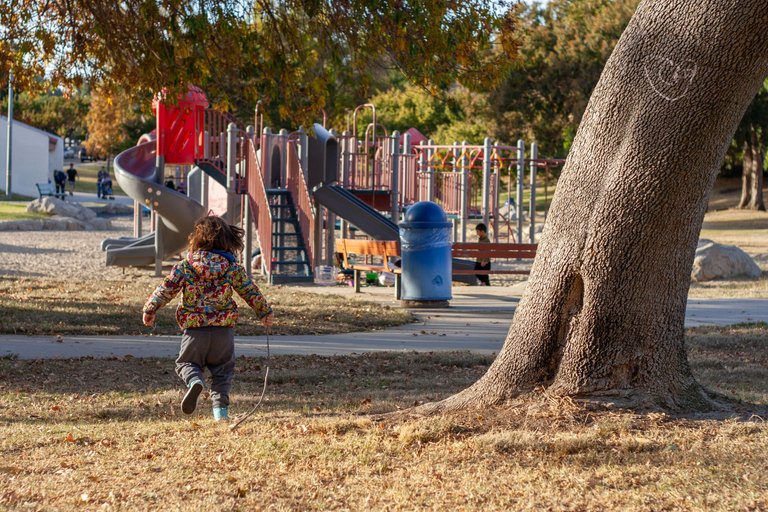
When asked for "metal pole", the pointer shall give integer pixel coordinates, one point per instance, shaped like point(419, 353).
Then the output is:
point(346, 160)
point(520, 178)
point(304, 152)
point(232, 134)
point(317, 248)
point(497, 188)
point(137, 219)
point(283, 157)
point(423, 170)
point(430, 172)
point(464, 199)
point(250, 133)
point(248, 221)
point(395, 185)
point(8, 149)
point(408, 169)
point(532, 199)
point(486, 180)
point(159, 245)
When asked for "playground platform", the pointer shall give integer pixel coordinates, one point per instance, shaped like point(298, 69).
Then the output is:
point(477, 320)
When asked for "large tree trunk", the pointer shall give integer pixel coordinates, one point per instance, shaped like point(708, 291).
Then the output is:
point(752, 175)
point(603, 312)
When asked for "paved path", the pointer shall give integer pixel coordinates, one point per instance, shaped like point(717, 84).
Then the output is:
point(477, 320)
point(88, 197)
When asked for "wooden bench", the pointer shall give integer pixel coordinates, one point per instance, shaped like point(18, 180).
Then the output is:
point(46, 189)
point(493, 251)
point(366, 250)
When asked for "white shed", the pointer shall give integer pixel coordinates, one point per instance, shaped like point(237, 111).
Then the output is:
point(34, 155)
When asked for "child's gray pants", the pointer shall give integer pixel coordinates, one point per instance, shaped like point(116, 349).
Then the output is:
point(211, 347)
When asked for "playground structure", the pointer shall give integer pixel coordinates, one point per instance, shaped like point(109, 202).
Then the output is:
point(289, 188)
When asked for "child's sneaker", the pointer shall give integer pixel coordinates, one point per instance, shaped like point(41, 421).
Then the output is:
point(189, 402)
point(221, 413)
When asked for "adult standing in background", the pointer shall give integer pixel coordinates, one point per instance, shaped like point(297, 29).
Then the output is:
point(60, 179)
point(71, 177)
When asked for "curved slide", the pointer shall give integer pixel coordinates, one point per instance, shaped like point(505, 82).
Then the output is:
point(136, 173)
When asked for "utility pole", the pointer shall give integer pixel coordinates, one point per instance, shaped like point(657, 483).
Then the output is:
point(8, 138)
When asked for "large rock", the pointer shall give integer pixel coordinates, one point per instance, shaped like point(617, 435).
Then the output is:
point(717, 261)
point(55, 206)
point(116, 209)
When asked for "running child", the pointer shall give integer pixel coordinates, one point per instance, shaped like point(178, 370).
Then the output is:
point(207, 278)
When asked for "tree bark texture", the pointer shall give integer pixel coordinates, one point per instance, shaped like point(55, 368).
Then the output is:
point(752, 175)
point(604, 309)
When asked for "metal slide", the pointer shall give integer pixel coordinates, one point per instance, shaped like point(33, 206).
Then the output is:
point(136, 173)
point(346, 205)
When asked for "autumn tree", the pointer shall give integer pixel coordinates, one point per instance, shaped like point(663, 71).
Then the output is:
point(114, 122)
point(602, 316)
point(297, 57)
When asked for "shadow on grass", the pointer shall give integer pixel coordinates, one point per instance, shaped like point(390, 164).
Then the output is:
point(131, 389)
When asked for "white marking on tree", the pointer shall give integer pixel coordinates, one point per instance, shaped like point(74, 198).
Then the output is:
point(668, 79)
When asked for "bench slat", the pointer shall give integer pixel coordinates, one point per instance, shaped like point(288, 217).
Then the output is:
point(391, 248)
point(45, 189)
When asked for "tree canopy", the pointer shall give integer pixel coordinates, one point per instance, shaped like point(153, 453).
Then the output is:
point(296, 56)
point(455, 115)
point(115, 122)
point(563, 48)
point(53, 112)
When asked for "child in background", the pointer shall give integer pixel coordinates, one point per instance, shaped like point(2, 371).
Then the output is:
point(483, 263)
point(207, 312)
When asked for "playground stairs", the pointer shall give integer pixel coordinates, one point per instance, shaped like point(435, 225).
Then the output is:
point(290, 260)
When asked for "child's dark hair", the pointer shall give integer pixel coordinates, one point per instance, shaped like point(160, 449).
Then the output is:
point(213, 233)
point(481, 227)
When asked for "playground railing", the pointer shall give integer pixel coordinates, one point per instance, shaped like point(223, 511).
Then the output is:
point(366, 163)
point(299, 190)
point(211, 137)
point(257, 195)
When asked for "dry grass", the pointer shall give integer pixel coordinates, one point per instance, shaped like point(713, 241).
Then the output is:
point(15, 210)
point(105, 434)
point(50, 306)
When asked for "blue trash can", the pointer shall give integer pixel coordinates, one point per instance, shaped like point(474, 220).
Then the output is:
point(425, 248)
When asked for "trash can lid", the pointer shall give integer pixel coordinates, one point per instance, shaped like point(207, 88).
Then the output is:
point(425, 214)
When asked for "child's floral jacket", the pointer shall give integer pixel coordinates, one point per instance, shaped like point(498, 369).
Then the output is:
point(207, 280)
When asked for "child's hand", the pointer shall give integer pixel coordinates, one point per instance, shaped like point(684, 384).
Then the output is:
point(149, 319)
point(267, 321)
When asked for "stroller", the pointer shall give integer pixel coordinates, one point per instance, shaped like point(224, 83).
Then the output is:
point(106, 188)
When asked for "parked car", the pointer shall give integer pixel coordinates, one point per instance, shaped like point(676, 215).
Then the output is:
point(69, 153)
point(85, 156)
